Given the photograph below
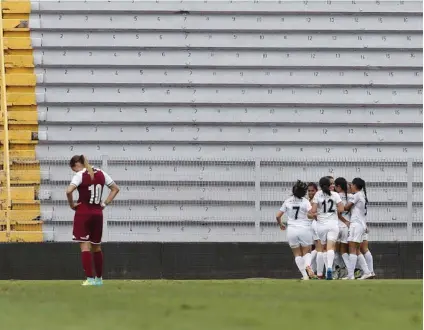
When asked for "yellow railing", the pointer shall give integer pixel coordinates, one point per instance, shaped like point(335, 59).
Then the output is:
point(3, 107)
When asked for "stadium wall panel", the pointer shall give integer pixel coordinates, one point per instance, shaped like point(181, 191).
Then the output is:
point(34, 261)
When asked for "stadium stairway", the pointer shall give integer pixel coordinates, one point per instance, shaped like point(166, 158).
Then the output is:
point(20, 80)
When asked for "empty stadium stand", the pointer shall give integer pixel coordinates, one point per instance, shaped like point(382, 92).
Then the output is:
point(19, 168)
point(205, 112)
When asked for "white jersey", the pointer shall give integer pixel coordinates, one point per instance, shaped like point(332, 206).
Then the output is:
point(359, 209)
point(327, 207)
point(297, 210)
point(345, 215)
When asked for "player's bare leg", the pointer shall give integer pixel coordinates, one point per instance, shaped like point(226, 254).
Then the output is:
point(96, 249)
point(87, 263)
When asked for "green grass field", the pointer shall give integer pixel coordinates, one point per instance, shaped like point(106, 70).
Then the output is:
point(211, 305)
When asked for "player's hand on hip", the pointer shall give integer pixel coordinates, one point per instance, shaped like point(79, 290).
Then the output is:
point(75, 206)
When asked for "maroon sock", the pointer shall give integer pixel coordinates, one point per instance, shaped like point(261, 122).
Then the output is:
point(98, 263)
point(87, 263)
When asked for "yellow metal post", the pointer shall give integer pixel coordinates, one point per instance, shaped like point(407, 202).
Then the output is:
point(3, 107)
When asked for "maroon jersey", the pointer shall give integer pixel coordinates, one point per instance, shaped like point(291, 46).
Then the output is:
point(90, 191)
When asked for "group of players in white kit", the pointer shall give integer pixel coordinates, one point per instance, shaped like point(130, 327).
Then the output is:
point(333, 220)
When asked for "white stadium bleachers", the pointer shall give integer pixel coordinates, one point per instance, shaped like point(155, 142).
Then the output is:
point(206, 112)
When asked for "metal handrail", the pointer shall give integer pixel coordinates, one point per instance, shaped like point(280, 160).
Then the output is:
point(3, 107)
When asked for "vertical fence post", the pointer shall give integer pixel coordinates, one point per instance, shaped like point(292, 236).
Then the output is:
point(4, 115)
point(105, 238)
point(410, 173)
point(258, 198)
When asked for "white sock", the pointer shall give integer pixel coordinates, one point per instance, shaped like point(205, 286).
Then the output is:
point(307, 259)
point(351, 267)
point(314, 260)
point(320, 263)
point(301, 265)
point(330, 256)
point(345, 258)
point(363, 264)
point(370, 261)
point(324, 255)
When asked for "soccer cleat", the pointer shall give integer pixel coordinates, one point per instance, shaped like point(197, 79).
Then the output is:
point(372, 276)
point(306, 278)
point(329, 274)
point(365, 277)
point(89, 281)
point(358, 273)
point(98, 281)
point(311, 274)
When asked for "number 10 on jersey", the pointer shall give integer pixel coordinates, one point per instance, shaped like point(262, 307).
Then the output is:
point(96, 191)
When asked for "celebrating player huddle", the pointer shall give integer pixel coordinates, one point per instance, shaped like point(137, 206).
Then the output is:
point(333, 220)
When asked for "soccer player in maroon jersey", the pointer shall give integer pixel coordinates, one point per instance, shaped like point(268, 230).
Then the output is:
point(88, 219)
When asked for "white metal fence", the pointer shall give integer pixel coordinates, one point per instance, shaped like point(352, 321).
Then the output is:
point(228, 199)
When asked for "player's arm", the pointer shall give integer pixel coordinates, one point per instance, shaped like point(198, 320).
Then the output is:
point(279, 216)
point(342, 218)
point(312, 214)
point(76, 181)
point(351, 202)
point(114, 190)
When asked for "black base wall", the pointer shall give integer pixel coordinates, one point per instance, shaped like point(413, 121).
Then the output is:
point(45, 261)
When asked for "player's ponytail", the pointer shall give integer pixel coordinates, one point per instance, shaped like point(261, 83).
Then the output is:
point(87, 166)
point(324, 184)
point(299, 189)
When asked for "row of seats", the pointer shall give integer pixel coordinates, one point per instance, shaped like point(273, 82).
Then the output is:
point(214, 212)
point(328, 116)
point(242, 77)
point(264, 40)
point(276, 7)
point(227, 22)
point(385, 173)
point(206, 232)
point(144, 58)
point(227, 150)
point(228, 95)
point(204, 192)
point(278, 133)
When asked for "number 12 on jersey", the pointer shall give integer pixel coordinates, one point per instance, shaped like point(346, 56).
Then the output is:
point(96, 191)
point(331, 204)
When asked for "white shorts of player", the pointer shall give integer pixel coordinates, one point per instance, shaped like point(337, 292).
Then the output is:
point(365, 237)
point(314, 231)
point(356, 232)
point(299, 236)
point(328, 231)
point(343, 235)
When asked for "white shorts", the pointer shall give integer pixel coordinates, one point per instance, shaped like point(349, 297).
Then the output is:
point(343, 235)
point(299, 236)
point(356, 233)
point(365, 237)
point(328, 232)
point(314, 230)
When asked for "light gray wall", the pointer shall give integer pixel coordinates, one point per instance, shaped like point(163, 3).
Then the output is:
point(206, 112)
